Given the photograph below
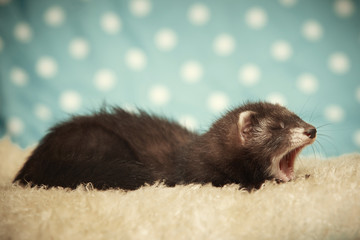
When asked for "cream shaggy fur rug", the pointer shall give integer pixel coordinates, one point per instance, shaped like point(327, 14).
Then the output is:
point(325, 205)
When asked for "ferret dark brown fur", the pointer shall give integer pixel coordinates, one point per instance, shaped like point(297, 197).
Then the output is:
point(117, 149)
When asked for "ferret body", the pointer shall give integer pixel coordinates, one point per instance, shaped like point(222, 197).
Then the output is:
point(248, 145)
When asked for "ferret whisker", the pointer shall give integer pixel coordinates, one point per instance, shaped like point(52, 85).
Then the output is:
point(324, 149)
point(320, 149)
point(311, 116)
point(321, 135)
point(327, 138)
point(313, 149)
point(301, 112)
point(312, 113)
point(334, 129)
point(324, 125)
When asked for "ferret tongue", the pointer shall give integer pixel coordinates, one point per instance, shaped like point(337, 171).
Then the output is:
point(284, 167)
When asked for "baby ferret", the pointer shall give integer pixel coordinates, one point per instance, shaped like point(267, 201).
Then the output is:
point(116, 149)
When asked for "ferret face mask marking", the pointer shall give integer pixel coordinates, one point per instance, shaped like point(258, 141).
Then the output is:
point(274, 136)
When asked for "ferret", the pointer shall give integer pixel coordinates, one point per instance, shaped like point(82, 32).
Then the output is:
point(115, 149)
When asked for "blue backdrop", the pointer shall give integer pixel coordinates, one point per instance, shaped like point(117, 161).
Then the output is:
point(188, 60)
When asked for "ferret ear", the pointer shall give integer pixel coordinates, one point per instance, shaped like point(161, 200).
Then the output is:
point(244, 124)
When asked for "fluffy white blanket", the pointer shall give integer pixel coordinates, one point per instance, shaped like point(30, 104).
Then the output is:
point(325, 205)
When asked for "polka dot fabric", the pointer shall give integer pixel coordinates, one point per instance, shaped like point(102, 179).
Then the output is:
point(188, 60)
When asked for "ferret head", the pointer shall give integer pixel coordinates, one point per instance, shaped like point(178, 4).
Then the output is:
point(269, 137)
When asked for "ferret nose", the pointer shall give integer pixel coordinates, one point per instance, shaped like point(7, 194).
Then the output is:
point(311, 133)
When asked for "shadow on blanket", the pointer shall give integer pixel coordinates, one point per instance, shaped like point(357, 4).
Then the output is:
point(325, 205)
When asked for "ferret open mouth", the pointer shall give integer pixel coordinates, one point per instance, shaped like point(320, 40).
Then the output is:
point(285, 167)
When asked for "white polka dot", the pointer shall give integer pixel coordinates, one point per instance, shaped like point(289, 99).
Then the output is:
point(218, 102)
point(4, 2)
point(15, 126)
point(188, 122)
point(135, 59)
point(281, 50)
point(344, 8)
point(104, 79)
point(42, 112)
point(334, 113)
point(54, 16)
point(256, 18)
point(18, 76)
point(307, 83)
point(199, 14)
point(140, 8)
point(165, 39)
point(224, 45)
point(357, 138)
point(276, 98)
point(159, 95)
point(288, 3)
point(110, 23)
point(192, 71)
point(70, 101)
point(1, 44)
point(312, 30)
point(358, 94)
point(249, 74)
point(79, 48)
point(23, 32)
point(339, 63)
point(46, 67)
